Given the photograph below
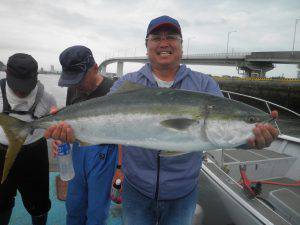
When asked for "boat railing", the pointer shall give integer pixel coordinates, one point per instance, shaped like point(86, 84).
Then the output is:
point(229, 94)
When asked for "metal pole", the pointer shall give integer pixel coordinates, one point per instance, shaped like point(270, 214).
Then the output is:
point(228, 34)
point(227, 43)
point(187, 49)
point(188, 46)
point(294, 36)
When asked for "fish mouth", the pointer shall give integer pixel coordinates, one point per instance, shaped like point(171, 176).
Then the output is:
point(272, 119)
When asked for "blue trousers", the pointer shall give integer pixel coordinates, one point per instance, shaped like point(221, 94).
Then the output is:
point(141, 210)
point(88, 196)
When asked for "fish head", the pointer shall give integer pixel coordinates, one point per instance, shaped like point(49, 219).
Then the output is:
point(231, 124)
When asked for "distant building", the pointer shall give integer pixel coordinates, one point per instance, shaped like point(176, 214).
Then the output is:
point(52, 69)
point(298, 74)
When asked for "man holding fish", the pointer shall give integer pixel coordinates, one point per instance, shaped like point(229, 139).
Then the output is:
point(161, 189)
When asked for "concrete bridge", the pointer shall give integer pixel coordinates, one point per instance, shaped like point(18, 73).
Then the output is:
point(250, 64)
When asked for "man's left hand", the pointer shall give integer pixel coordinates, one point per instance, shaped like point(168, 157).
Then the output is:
point(264, 134)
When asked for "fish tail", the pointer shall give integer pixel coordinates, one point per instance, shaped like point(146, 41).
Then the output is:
point(16, 132)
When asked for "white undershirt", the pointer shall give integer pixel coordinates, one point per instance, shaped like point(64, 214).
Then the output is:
point(24, 104)
point(162, 83)
point(20, 104)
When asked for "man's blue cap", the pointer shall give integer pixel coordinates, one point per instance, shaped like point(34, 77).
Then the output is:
point(75, 62)
point(163, 21)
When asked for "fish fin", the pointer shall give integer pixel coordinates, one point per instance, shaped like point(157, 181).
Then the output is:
point(179, 123)
point(205, 127)
point(129, 86)
point(203, 131)
point(172, 153)
point(16, 132)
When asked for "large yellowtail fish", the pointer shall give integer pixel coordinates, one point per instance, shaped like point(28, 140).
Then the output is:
point(155, 118)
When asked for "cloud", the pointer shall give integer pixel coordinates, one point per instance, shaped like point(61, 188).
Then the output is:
point(117, 27)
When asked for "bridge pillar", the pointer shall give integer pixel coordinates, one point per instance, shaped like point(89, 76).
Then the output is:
point(255, 69)
point(120, 66)
point(253, 73)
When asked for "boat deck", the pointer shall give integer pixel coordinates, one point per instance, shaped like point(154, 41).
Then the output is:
point(260, 164)
point(243, 200)
point(267, 188)
point(283, 199)
point(57, 213)
point(265, 165)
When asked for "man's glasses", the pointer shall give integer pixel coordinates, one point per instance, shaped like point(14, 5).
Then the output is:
point(168, 37)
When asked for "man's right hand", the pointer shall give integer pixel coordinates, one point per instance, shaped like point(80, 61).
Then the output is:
point(54, 147)
point(61, 131)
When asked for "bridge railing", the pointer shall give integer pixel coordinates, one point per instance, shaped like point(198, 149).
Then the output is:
point(221, 55)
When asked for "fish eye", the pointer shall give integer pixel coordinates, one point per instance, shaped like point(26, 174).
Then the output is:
point(252, 119)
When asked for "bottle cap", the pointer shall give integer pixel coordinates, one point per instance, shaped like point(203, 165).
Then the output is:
point(118, 181)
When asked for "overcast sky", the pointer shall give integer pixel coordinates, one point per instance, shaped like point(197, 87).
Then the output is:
point(117, 28)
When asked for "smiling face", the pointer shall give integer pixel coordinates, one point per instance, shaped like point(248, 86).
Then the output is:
point(164, 48)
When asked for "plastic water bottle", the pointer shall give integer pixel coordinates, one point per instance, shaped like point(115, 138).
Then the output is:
point(66, 169)
point(116, 192)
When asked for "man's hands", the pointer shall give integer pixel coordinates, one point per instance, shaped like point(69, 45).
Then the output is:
point(264, 134)
point(54, 147)
point(61, 131)
point(53, 110)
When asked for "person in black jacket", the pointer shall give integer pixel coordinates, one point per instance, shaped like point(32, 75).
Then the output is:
point(23, 97)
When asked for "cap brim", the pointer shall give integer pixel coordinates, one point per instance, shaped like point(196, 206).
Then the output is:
point(21, 85)
point(69, 78)
point(165, 25)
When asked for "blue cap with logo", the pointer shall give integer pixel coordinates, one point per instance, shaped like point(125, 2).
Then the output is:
point(163, 21)
point(75, 62)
